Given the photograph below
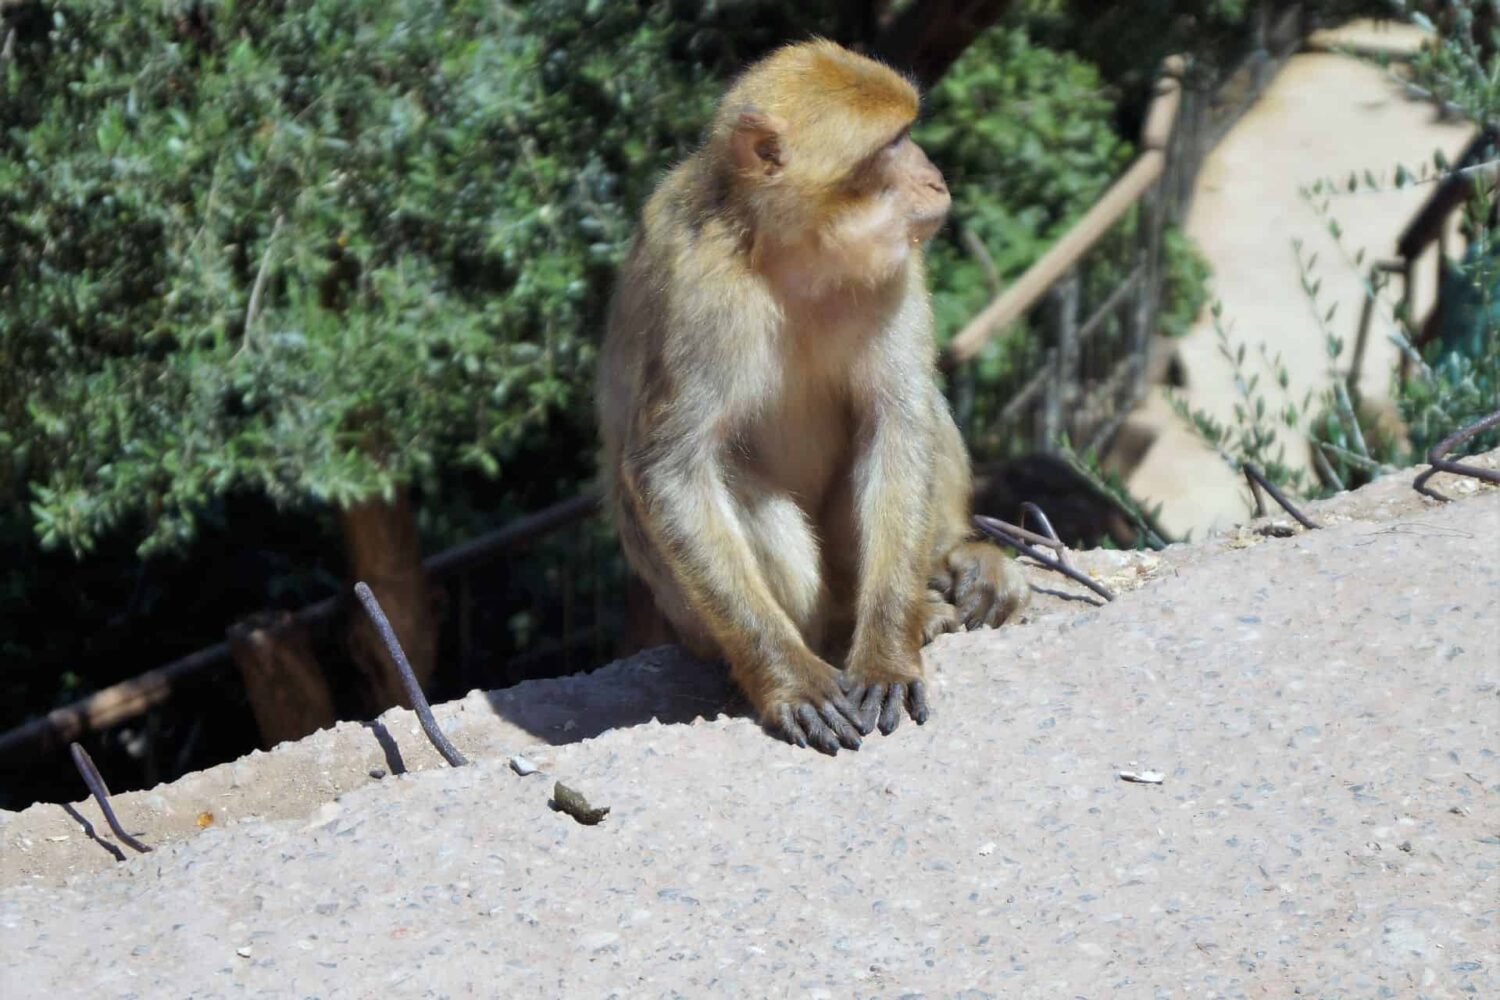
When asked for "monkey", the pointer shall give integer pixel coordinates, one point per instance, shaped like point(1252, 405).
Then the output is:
point(778, 458)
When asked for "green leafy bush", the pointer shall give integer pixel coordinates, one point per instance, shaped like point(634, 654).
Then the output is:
point(320, 250)
point(1024, 136)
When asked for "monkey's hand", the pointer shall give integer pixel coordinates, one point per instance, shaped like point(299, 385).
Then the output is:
point(811, 707)
point(883, 689)
point(985, 587)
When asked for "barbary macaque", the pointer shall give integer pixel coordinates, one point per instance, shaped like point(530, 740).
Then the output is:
point(782, 467)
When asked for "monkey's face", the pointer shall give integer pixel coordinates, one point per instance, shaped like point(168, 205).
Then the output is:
point(892, 202)
point(917, 186)
point(818, 145)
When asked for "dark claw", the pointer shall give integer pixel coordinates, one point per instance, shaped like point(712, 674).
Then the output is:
point(788, 728)
point(848, 708)
point(976, 606)
point(837, 714)
point(890, 713)
point(818, 734)
point(916, 701)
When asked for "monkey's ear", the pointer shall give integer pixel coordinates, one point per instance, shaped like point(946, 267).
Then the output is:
point(756, 146)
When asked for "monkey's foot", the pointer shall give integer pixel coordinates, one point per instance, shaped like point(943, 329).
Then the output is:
point(821, 717)
point(938, 617)
point(984, 584)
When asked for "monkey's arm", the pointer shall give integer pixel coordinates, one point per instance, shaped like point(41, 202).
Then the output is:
point(893, 494)
point(674, 479)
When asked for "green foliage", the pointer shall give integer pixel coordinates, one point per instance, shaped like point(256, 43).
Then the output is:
point(1455, 380)
point(1128, 41)
point(1185, 274)
point(1461, 70)
point(1260, 411)
point(1024, 136)
point(318, 251)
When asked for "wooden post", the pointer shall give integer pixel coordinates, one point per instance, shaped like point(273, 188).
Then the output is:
point(287, 690)
point(380, 540)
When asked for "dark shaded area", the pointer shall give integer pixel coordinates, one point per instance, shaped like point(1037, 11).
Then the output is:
point(394, 762)
point(1083, 518)
point(666, 684)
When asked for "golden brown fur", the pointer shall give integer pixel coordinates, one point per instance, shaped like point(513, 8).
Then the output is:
point(782, 467)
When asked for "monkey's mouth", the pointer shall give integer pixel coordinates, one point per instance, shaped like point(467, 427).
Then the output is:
point(925, 227)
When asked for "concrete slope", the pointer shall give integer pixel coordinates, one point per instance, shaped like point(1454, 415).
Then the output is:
point(1324, 710)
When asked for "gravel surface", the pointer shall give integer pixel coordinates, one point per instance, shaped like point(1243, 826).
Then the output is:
point(1323, 711)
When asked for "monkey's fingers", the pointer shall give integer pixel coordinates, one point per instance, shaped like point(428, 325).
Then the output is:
point(940, 584)
point(844, 719)
point(976, 605)
point(818, 734)
point(787, 728)
point(916, 701)
point(890, 712)
point(845, 707)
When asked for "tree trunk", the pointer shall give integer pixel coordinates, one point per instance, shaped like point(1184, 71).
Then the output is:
point(929, 35)
point(380, 540)
point(288, 692)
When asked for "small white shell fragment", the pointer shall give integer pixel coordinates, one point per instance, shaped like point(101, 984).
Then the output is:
point(522, 766)
point(986, 849)
point(1143, 777)
point(243, 952)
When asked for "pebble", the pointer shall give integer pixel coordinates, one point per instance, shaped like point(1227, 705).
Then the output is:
point(522, 766)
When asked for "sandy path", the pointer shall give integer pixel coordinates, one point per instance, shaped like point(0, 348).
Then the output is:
point(1324, 115)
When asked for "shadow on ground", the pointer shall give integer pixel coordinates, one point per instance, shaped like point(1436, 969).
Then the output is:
point(664, 683)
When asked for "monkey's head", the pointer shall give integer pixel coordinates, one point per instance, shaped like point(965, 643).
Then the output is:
point(817, 143)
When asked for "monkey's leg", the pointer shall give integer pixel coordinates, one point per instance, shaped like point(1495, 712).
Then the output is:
point(983, 586)
point(939, 617)
point(697, 527)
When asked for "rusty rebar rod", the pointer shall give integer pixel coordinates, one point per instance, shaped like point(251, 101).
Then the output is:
point(1258, 481)
point(1437, 458)
point(1015, 537)
point(1040, 515)
point(408, 679)
point(100, 791)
